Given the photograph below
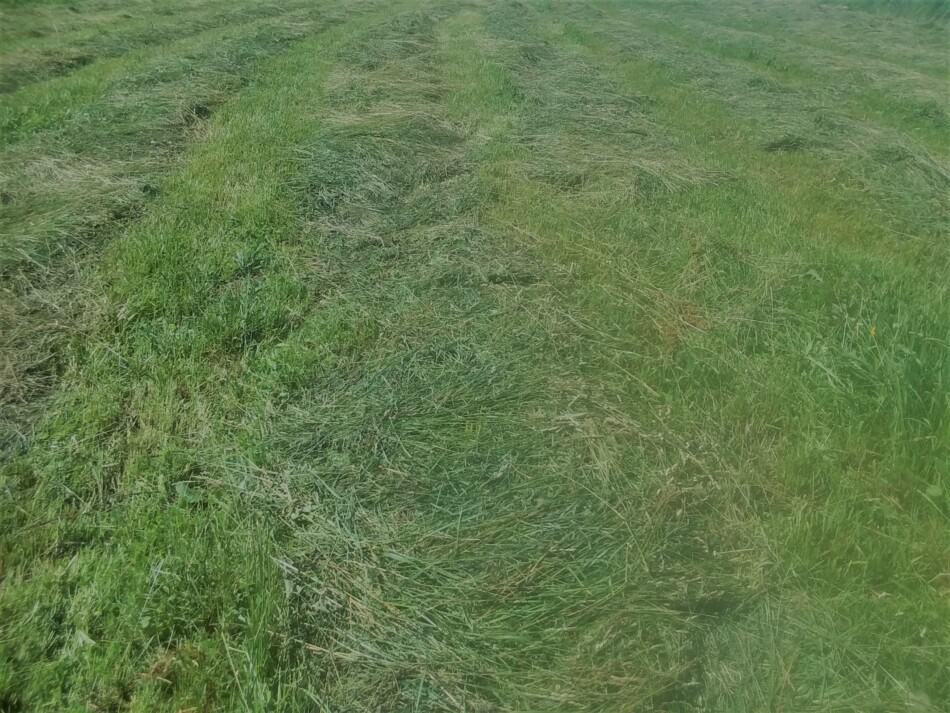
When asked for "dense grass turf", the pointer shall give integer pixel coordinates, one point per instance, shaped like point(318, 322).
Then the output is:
point(474, 356)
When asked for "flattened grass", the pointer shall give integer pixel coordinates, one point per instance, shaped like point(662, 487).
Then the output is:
point(83, 157)
point(501, 357)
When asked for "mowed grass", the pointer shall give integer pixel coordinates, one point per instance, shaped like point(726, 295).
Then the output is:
point(444, 356)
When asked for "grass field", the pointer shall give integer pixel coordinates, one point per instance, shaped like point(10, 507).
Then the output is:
point(459, 355)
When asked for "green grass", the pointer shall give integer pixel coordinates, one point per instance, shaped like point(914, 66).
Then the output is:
point(927, 10)
point(443, 356)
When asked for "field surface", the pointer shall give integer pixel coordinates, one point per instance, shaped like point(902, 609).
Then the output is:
point(470, 355)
